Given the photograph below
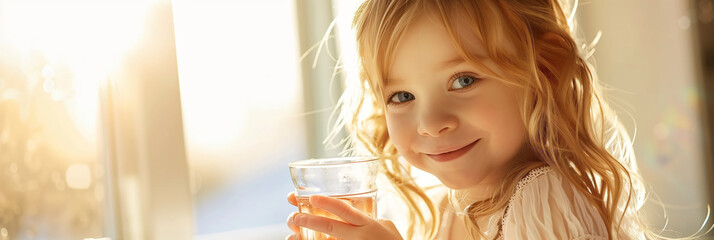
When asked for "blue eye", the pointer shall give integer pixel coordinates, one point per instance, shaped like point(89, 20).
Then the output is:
point(462, 82)
point(400, 97)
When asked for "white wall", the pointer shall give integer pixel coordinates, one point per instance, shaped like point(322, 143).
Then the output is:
point(646, 55)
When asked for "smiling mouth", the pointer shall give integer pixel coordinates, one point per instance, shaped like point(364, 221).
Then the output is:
point(448, 156)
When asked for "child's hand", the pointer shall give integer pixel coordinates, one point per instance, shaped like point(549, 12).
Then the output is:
point(358, 225)
point(296, 230)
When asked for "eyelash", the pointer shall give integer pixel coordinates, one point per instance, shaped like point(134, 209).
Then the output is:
point(389, 99)
point(464, 74)
point(453, 77)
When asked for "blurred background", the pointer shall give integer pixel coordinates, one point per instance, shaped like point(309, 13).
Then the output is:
point(158, 119)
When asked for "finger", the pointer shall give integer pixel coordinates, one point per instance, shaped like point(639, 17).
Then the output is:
point(291, 199)
point(293, 237)
point(291, 223)
point(387, 223)
point(330, 226)
point(340, 209)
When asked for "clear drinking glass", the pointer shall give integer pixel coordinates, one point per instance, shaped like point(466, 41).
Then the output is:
point(350, 179)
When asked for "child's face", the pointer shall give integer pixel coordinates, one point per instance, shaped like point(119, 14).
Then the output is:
point(443, 116)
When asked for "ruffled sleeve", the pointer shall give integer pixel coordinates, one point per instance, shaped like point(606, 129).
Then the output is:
point(547, 206)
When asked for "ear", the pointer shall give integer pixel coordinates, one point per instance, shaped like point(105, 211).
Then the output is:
point(555, 55)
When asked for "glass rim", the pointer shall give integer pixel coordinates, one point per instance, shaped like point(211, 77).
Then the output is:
point(334, 161)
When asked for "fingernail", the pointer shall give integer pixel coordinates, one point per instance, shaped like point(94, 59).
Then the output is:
point(314, 198)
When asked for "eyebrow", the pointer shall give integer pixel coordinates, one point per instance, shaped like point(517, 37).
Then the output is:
point(455, 61)
point(459, 60)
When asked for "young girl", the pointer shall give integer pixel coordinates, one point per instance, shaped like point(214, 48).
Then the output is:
point(494, 99)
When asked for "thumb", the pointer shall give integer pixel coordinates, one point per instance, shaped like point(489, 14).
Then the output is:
point(387, 223)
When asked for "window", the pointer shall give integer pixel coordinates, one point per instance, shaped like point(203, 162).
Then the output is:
point(244, 117)
point(53, 182)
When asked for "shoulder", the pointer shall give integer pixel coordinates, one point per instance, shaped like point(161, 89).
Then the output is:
point(546, 205)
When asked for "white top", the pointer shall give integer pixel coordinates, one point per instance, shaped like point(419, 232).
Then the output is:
point(545, 205)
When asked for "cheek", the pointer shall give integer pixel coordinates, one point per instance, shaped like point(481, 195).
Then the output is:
point(510, 140)
point(398, 131)
point(509, 134)
point(501, 124)
point(402, 132)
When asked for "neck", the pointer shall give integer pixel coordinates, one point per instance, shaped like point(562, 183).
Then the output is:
point(492, 183)
point(461, 198)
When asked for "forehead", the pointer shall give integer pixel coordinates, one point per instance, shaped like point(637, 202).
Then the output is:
point(427, 46)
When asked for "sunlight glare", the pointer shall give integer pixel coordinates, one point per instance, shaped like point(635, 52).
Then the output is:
point(85, 38)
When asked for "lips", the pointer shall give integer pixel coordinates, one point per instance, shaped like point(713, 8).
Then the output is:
point(451, 155)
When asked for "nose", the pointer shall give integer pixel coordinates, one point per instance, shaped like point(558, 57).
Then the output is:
point(436, 120)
